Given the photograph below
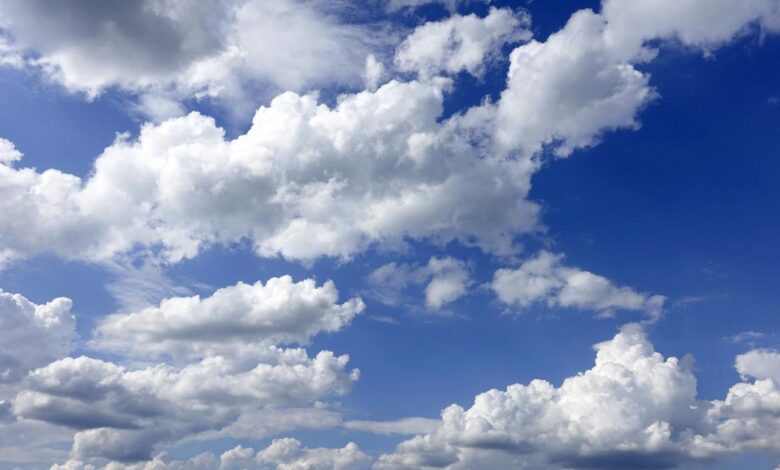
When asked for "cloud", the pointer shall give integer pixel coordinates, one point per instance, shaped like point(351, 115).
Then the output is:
point(378, 168)
point(632, 409)
point(244, 316)
point(446, 280)
point(227, 370)
point(305, 181)
point(8, 152)
point(544, 278)
point(124, 414)
point(32, 335)
point(461, 43)
point(189, 48)
point(281, 454)
point(565, 92)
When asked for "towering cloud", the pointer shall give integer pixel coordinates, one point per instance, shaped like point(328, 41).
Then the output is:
point(632, 409)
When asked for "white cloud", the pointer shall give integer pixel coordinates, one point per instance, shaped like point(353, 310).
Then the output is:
point(124, 414)
point(281, 454)
point(33, 335)
point(288, 454)
point(244, 316)
point(544, 278)
point(379, 168)
point(630, 408)
point(446, 280)
point(461, 43)
point(228, 370)
point(452, 5)
point(705, 24)
point(567, 91)
point(305, 181)
point(8, 152)
point(189, 48)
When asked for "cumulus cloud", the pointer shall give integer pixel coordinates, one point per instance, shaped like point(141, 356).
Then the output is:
point(124, 414)
point(8, 152)
point(32, 335)
point(185, 49)
point(305, 181)
point(565, 92)
point(461, 43)
point(544, 278)
point(228, 369)
point(446, 280)
point(280, 311)
point(378, 168)
point(281, 454)
point(632, 409)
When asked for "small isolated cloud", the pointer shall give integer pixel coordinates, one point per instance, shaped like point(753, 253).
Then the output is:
point(445, 279)
point(461, 43)
point(544, 278)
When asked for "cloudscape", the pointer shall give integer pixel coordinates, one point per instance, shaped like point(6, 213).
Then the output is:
point(389, 234)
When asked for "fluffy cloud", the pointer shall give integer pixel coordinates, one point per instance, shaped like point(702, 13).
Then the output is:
point(544, 278)
point(228, 369)
point(565, 92)
point(631, 406)
point(445, 279)
point(180, 49)
point(705, 24)
point(305, 181)
point(124, 414)
point(33, 335)
point(461, 43)
point(280, 311)
point(633, 409)
point(8, 152)
point(380, 167)
point(281, 454)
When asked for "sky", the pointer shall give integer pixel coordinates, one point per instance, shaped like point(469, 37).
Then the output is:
point(389, 234)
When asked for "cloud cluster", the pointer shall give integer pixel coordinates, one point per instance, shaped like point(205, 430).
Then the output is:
point(632, 409)
point(380, 167)
point(227, 362)
point(305, 181)
point(445, 279)
point(544, 278)
point(281, 454)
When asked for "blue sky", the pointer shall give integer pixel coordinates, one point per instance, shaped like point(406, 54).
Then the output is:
point(665, 199)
